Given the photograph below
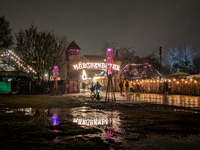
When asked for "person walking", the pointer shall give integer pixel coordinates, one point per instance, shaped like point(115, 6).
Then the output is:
point(121, 86)
point(127, 86)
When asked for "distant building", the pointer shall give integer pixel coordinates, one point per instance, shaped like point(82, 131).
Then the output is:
point(72, 56)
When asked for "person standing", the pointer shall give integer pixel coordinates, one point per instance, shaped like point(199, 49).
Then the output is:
point(127, 86)
point(121, 86)
point(83, 86)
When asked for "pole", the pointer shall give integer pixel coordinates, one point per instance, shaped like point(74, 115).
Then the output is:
point(10, 57)
point(160, 59)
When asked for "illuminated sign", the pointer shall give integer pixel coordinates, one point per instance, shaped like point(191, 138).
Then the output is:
point(91, 65)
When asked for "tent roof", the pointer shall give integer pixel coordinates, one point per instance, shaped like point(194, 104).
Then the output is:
point(180, 74)
point(193, 76)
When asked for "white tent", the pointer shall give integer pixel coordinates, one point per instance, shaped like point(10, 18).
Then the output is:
point(193, 76)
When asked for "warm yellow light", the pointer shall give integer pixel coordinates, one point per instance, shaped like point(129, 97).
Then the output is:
point(84, 74)
point(58, 78)
point(169, 80)
point(195, 81)
point(190, 79)
point(174, 79)
point(177, 82)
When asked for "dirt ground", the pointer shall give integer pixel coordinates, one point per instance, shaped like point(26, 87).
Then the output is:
point(139, 126)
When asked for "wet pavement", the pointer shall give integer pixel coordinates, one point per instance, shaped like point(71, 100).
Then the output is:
point(136, 121)
point(174, 100)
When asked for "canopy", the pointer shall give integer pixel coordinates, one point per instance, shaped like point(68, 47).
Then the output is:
point(177, 75)
point(180, 74)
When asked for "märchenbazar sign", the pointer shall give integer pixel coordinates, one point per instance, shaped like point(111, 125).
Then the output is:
point(92, 65)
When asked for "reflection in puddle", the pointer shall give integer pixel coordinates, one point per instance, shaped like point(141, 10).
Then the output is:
point(110, 125)
point(108, 122)
point(54, 120)
point(56, 140)
point(175, 100)
point(27, 111)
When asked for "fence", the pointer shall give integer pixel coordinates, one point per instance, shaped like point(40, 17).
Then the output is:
point(170, 86)
point(42, 87)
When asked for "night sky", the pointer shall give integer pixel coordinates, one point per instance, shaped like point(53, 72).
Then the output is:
point(143, 25)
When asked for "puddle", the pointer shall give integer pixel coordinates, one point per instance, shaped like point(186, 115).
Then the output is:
point(107, 122)
point(93, 125)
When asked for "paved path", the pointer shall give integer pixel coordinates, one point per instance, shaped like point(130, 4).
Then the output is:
point(175, 100)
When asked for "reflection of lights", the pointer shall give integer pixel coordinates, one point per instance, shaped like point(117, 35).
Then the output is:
point(55, 120)
point(110, 132)
point(56, 140)
point(91, 122)
point(56, 131)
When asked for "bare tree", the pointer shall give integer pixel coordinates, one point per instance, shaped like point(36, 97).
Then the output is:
point(41, 50)
point(180, 58)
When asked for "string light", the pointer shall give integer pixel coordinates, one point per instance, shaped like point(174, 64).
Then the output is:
point(17, 59)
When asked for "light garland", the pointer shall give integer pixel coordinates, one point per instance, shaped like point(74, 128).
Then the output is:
point(143, 65)
point(17, 59)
